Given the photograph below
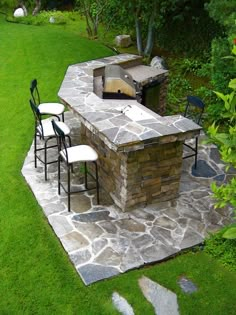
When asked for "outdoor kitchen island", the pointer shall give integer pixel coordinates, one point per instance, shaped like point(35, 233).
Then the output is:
point(140, 152)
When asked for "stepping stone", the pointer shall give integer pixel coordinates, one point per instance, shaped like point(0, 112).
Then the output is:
point(163, 300)
point(187, 285)
point(121, 304)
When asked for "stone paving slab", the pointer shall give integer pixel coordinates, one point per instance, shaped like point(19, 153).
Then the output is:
point(163, 300)
point(102, 241)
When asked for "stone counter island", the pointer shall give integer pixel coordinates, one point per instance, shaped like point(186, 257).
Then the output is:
point(140, 152)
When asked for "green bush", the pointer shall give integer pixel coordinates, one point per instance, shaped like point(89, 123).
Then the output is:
point(204, 70)
point(222, 69)
point(188, 30)
point(222, 249)
point(215, 112)
point(43, 18)
point(178, 88)
point(190, 65)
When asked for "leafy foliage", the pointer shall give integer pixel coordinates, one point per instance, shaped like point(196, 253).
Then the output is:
point(222, 249)
point(145, 16)
point(222, 69)
point(180, 22)
point(92, 10)
point(222, 11)
point(44, 18)
point(190, 65)
point(178, 87)
point(226, 140)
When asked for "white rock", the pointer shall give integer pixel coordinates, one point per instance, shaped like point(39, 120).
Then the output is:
point(158, 63)
point(19, 12)
point(52, 19)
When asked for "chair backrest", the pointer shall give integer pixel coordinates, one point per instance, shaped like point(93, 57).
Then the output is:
point(37, 116)
point(194, 108)
point(35, 92)
point(61, 139)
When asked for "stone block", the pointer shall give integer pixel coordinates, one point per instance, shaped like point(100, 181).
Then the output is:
point(123, 41)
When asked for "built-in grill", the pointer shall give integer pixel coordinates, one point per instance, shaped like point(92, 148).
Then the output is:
point(141, 82)
point(118, 83)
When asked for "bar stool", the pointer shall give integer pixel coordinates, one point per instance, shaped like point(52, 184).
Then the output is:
point(70, 155)
point(45, 131)
point(193, 110)
point(52, 109)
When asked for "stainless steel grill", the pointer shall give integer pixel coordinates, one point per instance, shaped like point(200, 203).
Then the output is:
point(118, 83)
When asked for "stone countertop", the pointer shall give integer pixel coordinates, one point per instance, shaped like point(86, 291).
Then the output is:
point(124, 125)
point(145, 74)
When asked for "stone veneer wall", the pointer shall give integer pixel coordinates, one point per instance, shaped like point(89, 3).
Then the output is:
point(138, 177)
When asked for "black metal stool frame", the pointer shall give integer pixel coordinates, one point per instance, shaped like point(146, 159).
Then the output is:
point(38, 122)
point(63, 146)
point(197, 103)
point(36, 98)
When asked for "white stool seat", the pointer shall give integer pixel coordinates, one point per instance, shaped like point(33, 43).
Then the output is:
point(48, 108)
point(69, 155)
point(79, 153)
point(51, 108)
point(48, 130)
point(45, 131)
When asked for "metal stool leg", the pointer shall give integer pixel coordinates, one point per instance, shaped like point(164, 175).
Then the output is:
point(45, 160)
point(85, 176)
point(97, 183)
point(35, 150)
point(68, 186)
point(59, 175)
point(196, 152)
point(70, 144)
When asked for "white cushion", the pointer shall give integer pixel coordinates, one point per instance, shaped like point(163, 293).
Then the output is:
point(48, 129)
point(80, 153)
point(51, 108)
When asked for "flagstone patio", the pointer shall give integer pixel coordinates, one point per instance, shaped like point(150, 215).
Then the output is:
point(102, 241)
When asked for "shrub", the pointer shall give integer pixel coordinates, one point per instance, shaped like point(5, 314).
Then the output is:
point(176, 34)
point(178, 88)
point(222, 249)
point(226, 141)
point(222, 69)
point(190, 65)
point(43, 18)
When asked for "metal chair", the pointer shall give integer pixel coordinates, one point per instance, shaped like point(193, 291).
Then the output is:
point(52, 109)
point(45, 131)
point(194, 110)
point(70, 155)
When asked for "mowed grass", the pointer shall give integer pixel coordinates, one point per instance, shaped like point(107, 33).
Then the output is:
point(36, 276)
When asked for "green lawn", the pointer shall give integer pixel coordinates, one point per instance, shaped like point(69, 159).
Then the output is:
point(36, 276)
